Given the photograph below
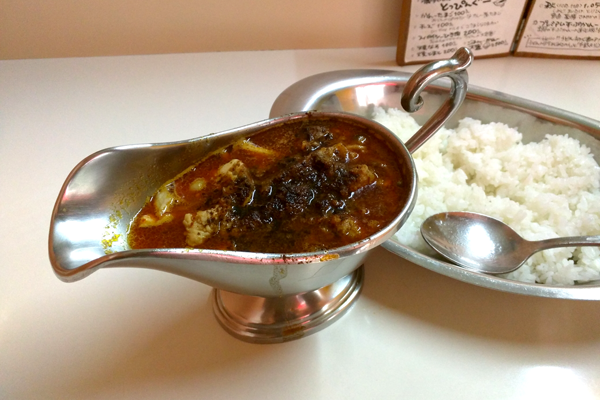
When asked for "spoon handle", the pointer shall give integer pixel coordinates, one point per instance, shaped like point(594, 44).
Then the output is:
point(569, 241)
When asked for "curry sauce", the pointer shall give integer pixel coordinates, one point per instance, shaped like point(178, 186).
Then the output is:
point(302, 186)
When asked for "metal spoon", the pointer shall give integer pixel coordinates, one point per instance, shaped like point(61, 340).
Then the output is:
point(484, 244)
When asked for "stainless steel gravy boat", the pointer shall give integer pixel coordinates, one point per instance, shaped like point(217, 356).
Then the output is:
point(258, 297)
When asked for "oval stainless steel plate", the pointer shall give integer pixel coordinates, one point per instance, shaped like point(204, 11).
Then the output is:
point(355, 91)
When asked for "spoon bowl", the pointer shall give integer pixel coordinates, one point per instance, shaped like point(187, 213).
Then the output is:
point(484, 244)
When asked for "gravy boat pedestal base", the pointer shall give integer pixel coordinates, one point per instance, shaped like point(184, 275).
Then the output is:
point(280, 319)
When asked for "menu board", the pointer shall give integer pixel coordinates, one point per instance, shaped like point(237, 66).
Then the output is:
point(434, 29)
point(561, 28)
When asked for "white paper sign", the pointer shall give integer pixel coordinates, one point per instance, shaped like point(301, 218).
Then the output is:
point(439, 27)
point(563, 27)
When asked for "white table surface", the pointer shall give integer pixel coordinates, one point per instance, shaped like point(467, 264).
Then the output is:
point(143, 334)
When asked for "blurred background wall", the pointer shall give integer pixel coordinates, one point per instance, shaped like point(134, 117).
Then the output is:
point(82, 28)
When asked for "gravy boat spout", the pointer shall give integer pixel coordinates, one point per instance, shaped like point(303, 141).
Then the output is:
point(104, 192)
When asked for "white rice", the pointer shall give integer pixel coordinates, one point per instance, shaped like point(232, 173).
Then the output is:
point(542, 190)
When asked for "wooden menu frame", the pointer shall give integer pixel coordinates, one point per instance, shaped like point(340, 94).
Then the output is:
point(432, 30)
point(544, 16)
